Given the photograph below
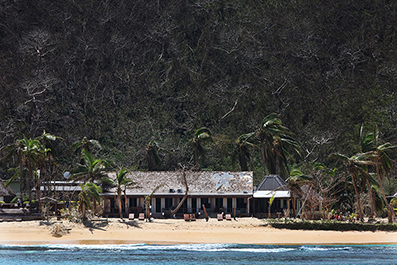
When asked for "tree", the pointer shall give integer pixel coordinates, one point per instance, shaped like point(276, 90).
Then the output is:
point(294, 182)
point(91, 170)
point(242, 150)
point(121, 182)
point(383, 168)
point(356, 167)
point(88, 192)
point(85, 145)
point(30, 154)
point(152, 157)
point(201, 136)
point(277, 145)
point(370, 142)
point(148, 199)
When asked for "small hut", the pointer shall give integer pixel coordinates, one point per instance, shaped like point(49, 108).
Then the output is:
point(271, 185)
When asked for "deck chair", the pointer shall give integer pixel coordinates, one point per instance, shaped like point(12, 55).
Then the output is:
point(186, 217)
point(192, 217)
point(131, 216)
point(228, 217)
point(220, 217)
point(141, 216)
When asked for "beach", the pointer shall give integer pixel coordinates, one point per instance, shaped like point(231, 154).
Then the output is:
point(177, 231)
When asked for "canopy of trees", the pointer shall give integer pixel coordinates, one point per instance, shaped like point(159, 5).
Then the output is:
point(127, 72)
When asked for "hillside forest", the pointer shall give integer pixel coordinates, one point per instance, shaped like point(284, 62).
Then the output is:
point(267, 86)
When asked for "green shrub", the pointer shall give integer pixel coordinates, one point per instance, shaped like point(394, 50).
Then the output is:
point(331, 225)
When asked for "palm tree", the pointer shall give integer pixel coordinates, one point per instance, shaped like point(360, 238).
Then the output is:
point(370, 142)
point(366, 145)
point(294, 182)
point(121, 182)
point(88, 191)
point(91, 170)
point(31, 155)
point(242, 150)
point(85, 145)
point(356, 167)
point(384, 167)
point(152, 157)
point(277, 145)
point(201, 136)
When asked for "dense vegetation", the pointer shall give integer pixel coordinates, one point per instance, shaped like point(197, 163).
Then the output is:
point(128, 73)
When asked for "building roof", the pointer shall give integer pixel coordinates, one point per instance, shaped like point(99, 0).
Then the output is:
point(206, 183)
point(272, 185)
point(6, 191)
point(272, 182)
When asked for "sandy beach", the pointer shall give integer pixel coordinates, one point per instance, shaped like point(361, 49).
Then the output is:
point(178, 231)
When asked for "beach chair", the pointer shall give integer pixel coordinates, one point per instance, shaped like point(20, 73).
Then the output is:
point(220, 217)
point(186, 217)
point(192, 217)
point(141, 217)
point(131, 216)
point(228, 217)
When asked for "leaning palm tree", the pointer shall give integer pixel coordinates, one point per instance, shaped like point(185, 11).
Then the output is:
point(383, 168)
point(88, 192)
point(152, 154)
point(277, 145)
point(121, 182)
point(201, 136)
point(370, 142)
point(356, 167)
point(242, 150)
point(294, 182)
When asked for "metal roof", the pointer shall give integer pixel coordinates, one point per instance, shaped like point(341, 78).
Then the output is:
point(272, 182)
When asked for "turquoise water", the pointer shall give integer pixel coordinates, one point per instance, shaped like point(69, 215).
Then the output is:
point(197, 254)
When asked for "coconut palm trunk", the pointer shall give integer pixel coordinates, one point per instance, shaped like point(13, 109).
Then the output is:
point(390, 212)
point(360, 212)
point(371, 198)
point(119, 202)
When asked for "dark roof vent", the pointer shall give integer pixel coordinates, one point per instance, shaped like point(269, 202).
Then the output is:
point(171, 190)
point(180, 191)
point(245, 192)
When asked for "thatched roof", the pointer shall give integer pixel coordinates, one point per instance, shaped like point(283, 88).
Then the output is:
point(6, 191)
point(199, 182)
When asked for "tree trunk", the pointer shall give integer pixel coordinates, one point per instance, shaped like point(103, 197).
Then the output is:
point(389, 209)
point(180, 203)
point(263, 158)
point(127, 203)
point(119, 201)
point(83, 211)
point(371, 198)
point(360, 212)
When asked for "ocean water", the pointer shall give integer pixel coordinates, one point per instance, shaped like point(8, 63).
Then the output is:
point(198, 254)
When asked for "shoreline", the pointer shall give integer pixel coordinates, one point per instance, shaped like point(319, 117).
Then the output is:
point(177, 231)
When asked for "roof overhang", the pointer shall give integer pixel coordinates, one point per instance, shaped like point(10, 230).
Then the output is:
point(267, 194)
point(191, 194)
